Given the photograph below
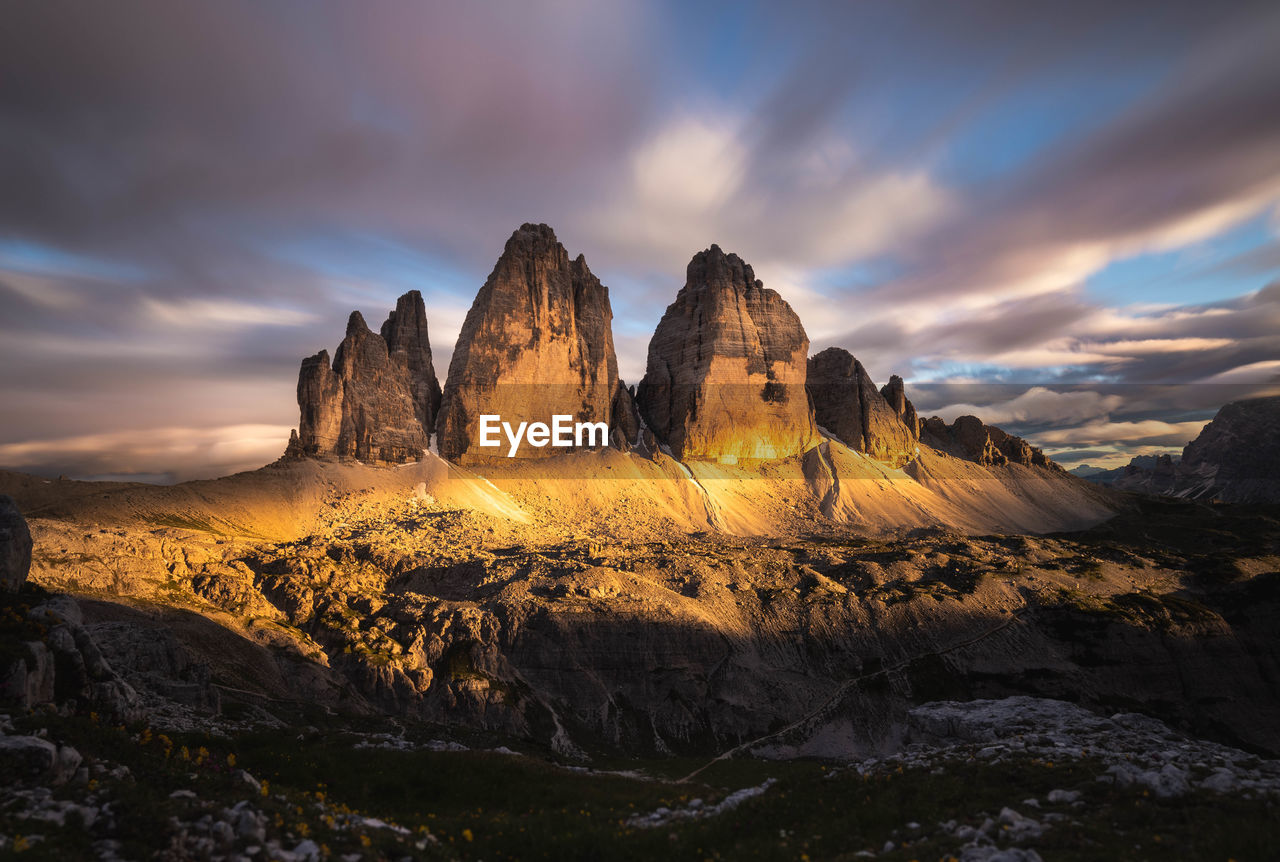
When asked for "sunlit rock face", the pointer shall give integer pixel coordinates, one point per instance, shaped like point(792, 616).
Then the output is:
point(726, 368)
point(881, 423)
point(537, 342)
point(377, 401)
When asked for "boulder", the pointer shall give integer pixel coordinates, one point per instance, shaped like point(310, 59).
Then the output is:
point(15, 546)
point(726, 368)
point(537, 342)
point(36, 760)
point(847, 403)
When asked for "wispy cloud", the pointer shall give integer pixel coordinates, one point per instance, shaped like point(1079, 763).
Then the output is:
point(192, 206)
point(190, 453)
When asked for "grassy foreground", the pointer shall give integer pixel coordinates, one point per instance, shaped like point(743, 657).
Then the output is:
point(389, 804)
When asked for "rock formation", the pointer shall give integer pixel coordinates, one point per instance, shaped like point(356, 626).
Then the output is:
point(537, 342)
point(405, 333)
point(970, 439)
point(895, 393)
point(378, 401)
point(15, 546)
point(881, 423)
point(1144, 474)
point(726, 368)
point(1236, 458)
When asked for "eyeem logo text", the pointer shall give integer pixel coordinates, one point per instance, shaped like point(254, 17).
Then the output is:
point(562, 431)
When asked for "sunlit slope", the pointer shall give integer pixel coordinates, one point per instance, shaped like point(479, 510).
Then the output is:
point(606, 492)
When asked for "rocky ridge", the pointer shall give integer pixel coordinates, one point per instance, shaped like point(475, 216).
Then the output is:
point(1236, 458)
point(969, 438)
point(727, 378)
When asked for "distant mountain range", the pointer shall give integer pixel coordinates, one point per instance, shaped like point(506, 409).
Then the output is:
point(1235, 459)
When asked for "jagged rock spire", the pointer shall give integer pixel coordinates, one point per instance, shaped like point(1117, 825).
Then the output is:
point(537, 341)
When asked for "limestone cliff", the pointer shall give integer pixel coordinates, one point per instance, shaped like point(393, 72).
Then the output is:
point(880, 423)
point(726, 368)
point(970, 439)
point(378, 400)
point(405, 333)
point(537, 342)
point(1236, 458)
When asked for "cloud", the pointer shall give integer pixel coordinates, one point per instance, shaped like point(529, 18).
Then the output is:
point(1149, 432)
point(196, 196)
point(1201, 155)
point(204, 312)
point(1039, 406)
point(1142, 347)
point(1267, 371)
point(176, 453)
point(694, 178)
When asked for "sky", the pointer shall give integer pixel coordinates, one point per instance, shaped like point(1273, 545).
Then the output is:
point(1062, 217)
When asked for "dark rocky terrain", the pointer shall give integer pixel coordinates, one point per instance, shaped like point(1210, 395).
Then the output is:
point(404, 634)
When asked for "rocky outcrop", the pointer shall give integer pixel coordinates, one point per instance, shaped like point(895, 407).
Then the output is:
point(15, 546)
point(1144, 474)
point(378, 401)
point(537, 342)
point(970, 439)
point(1236, 458)
point(880, 423)
point(405, 333)
point(626, 418)
point(726, 368)
point(64, 666)
point(895, 394)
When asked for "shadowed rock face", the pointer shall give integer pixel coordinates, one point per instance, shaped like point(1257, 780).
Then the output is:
point(405, 333)
point(374, 404)
point(846, 402)
point(15, 546)
point(896, 395)
point(971, 440)
point(726, 368)
point(1236, 458)
point(537, 342)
